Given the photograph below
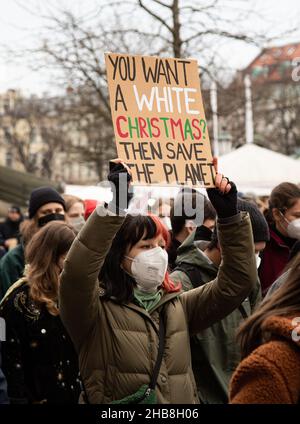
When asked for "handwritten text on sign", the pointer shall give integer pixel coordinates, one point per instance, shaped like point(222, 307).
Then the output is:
point(159, 121)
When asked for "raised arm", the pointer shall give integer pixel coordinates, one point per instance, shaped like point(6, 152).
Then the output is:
point(236, 277)
point(79, 288)
point(237, 274)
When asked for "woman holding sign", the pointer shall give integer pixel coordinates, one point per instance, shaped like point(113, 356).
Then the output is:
point(132, 331)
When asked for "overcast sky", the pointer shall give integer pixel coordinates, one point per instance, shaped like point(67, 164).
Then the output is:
point(20, 28)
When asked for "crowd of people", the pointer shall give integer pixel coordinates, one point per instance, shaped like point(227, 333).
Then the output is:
point(103, 306)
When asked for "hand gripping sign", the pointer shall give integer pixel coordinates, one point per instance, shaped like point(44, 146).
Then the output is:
point(159, 121)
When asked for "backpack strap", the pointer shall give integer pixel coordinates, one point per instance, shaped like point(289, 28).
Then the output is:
point(194, 273)
point(243, 312)
point(197, 278)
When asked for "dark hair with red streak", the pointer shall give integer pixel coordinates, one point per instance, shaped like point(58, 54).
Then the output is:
point(117, 282)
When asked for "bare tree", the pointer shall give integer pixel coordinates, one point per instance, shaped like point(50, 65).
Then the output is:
point(79, 55)
point(74, 46)
point(33, 131)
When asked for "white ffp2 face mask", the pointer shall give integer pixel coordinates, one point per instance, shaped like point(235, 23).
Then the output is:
point(293, 229)
point(149, 268)
point(77, 223)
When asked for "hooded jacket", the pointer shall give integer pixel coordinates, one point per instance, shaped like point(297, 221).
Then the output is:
point(117, 343)
point(215, 353)
point(271, 373)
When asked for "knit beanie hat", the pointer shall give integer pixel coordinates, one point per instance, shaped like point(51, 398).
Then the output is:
point(42, 195)
point(260, 226)
point(15, 208)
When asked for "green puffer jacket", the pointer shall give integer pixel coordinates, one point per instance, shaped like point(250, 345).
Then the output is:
point(117, 344)
point(215, 352)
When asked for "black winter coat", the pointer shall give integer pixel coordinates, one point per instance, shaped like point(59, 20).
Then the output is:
point(39, 360)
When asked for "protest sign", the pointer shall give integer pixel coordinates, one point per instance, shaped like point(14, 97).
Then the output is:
point(159, 121)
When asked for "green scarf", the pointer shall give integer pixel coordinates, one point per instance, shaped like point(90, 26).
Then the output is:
point(147, 300)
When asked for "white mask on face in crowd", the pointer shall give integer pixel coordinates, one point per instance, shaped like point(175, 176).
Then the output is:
point(293, 228)
point(258, 260)
point(77, 223)
point(190, 223)
point(149, 269)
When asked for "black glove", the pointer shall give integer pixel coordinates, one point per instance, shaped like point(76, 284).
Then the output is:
point(224, 204)
point(119, 179)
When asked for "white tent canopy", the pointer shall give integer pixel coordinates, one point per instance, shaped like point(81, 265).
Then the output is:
point(258, 170)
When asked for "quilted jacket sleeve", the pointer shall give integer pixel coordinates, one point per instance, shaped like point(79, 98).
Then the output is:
point(236, 278)
point(79, 288)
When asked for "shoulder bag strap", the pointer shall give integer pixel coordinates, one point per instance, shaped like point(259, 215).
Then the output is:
point(161, 347)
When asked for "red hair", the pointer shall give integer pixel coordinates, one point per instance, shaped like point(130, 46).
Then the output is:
point(168, 285)
point(89, 207)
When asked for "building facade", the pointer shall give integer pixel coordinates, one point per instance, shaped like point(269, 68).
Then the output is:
point(39, 136)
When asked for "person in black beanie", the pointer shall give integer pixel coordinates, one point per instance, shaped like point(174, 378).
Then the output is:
point(45, 205)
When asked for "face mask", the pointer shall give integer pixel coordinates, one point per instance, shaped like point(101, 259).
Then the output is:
point(149, 269)
point(77, 223)
point(190, 223)
point(51, 217)
point(258, 260)
point(167, 222)
point(293, 228)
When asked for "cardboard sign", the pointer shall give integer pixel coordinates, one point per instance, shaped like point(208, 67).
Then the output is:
point(159, 122)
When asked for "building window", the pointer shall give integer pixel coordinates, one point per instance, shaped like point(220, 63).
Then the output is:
point(260, 71)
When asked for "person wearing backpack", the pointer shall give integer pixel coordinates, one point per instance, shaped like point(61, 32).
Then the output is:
point(183, 223)
point(215, 354)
